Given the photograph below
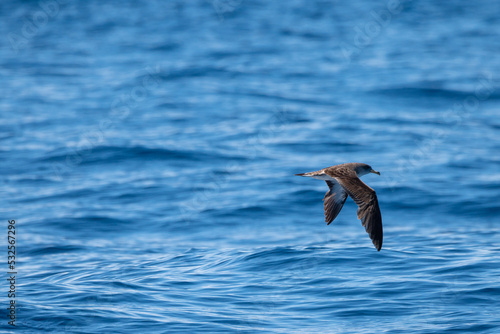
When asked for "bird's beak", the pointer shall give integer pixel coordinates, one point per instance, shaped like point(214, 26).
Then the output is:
point(375, 172)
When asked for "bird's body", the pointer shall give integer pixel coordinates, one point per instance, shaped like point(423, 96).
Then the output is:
point(344, 180)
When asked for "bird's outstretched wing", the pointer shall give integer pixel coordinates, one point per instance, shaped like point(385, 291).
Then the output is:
point(334, 200)
point(366, 199)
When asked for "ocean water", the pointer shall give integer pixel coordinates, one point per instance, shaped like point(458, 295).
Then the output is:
point(148, 151)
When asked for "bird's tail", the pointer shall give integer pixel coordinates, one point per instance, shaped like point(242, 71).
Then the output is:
point(316, 173)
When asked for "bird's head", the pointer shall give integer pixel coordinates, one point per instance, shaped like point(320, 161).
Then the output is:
point(363, 169)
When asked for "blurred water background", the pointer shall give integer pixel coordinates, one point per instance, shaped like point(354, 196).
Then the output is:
point(148, 151)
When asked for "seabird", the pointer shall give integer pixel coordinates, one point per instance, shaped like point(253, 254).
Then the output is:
point(344, 180)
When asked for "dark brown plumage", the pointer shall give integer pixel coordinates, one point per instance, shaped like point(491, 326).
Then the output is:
point(343, 180)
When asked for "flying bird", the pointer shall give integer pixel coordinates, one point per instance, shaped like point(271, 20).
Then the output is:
point(344, 180)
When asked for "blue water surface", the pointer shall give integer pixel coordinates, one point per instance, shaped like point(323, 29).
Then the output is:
point(148, 151)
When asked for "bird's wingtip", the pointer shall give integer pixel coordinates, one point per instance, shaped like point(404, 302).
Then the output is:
point(301, 174)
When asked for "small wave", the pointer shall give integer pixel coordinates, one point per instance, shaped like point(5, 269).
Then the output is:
point(111, 154)
point(53, 250)
point(92, 224)
point(418, 92)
